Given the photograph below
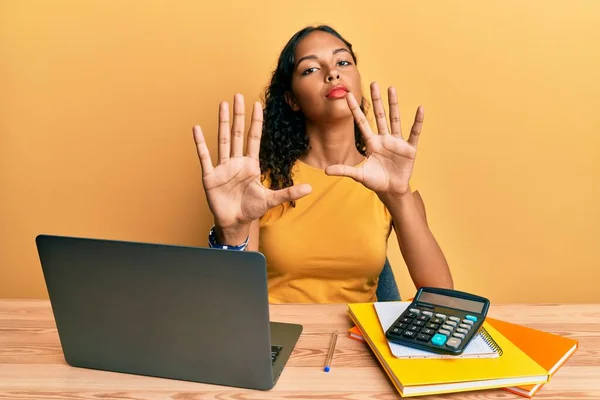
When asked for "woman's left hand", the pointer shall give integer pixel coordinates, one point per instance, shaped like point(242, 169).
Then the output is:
point(390, 161)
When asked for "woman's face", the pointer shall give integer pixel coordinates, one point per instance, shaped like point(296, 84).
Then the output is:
point(323, 74)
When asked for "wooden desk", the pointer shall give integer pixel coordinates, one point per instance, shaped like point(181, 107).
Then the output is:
point(32, 366)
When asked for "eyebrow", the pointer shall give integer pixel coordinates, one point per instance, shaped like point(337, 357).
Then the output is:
point(313, 57)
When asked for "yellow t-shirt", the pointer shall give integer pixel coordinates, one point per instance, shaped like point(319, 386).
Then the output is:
point(331, 247)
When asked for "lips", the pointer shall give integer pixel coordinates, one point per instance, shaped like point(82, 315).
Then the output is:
point(337, 92)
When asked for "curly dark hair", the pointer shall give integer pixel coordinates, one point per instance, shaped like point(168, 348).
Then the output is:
point(284, 138)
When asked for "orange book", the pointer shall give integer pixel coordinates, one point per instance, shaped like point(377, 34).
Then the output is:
point(550, 351)
point(356, 334)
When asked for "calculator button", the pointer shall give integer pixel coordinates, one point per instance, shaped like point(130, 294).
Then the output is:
point(415, 311)
point(471, 318)
point(409, 334)
point(414, 328)
point(453, 343)
point(448, 327)
point(441, 316)
point(438, 339)
point(396, 330)
point(401, 326)
point(467, 321)
point(459, 335)
point(424, 318)
point(451, 323)
point(423, 337)
point(428, 313)
point(432, 326)
point(406, 320)
point(461, 330)
point(437, 321)
point(411, 315)
point(444, 332)
point(427, 331)
point(455, 319)
point(419, 323)
point(464, 326)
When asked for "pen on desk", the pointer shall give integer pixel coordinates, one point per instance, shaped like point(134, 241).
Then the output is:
point(329, 359)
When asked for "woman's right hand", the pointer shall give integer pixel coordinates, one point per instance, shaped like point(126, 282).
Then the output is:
point(233, 188)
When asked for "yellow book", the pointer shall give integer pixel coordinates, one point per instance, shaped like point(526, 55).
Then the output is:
point(416, 377)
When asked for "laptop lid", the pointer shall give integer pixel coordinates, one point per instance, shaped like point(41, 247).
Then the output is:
point(188, 313)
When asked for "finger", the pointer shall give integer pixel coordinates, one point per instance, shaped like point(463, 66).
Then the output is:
point(224, 135)
point(276, 197)
point(356, 173)
point(255, 131)
point(378, 109)
point(237, 131)
point(394, 112)
point(202, 149)
point(359, 117)
point(415, 132)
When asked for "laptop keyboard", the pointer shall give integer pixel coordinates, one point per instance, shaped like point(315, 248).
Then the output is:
point(275, 350)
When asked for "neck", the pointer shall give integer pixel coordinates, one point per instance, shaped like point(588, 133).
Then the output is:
point(331, 143)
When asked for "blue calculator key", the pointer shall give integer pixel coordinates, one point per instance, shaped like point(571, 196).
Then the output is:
point(439, 340)
point(471, 318)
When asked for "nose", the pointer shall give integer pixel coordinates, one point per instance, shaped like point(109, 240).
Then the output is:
point(332, 75)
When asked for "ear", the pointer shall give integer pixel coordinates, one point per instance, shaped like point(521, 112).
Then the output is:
point(291, 100)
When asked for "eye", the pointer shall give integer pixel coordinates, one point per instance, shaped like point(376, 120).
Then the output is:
point(344, 63)
point(309, 71)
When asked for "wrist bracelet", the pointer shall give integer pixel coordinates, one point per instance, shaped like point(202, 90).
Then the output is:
point(212, 242)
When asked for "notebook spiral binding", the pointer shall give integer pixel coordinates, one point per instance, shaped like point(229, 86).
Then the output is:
point(489, 340)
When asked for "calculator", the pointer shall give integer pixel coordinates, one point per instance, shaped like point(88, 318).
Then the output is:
point(439, 320)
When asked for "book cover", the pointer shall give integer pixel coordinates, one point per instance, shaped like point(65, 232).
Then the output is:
point(547, 349)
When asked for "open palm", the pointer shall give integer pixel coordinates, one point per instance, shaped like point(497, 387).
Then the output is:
point(391, 159)
point(233, 188)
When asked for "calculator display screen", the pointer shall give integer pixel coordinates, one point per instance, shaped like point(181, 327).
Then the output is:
point(453, 302)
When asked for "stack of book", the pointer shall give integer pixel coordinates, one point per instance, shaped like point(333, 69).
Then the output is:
point(503, 355)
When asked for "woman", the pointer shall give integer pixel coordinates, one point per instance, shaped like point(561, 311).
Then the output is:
point(317, 192)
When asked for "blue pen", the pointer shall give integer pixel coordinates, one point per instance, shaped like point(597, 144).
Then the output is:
point(329, 359)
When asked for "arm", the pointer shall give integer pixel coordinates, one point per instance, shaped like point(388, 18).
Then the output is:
point(239, 235)
point(424, 258)
point(234, 192)
point(387, 172)
point(254, 232)
point(420, 205)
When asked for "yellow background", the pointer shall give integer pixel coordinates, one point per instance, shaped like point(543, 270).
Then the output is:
point(97, 101)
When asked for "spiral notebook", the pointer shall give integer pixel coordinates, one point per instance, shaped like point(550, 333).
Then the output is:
point(481, 346)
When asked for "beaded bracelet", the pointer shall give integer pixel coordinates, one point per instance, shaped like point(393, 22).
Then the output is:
point(212, 242)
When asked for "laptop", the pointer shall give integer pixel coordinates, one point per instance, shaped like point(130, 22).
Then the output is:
point(186, 313)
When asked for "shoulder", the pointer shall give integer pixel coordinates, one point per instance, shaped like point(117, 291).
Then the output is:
point(266, 177)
